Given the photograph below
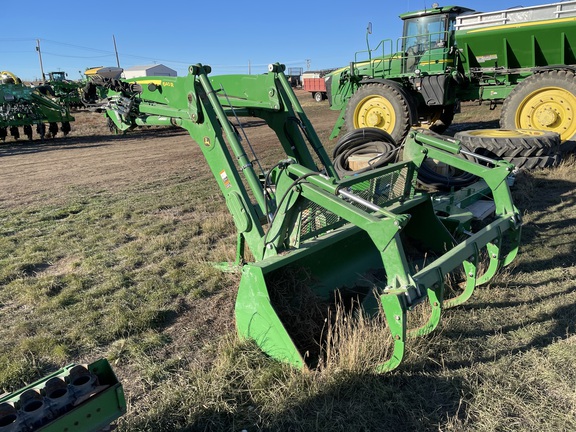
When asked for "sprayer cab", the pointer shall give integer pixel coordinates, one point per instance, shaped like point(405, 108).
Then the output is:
point(425, 30)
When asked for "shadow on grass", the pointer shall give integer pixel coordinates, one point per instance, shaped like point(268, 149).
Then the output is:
point(71, 142)
point(552, 220)
point(366, 402)
point(354, 402)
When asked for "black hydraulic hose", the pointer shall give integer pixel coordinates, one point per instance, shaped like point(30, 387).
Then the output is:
point(433, 179)
point(364, 141)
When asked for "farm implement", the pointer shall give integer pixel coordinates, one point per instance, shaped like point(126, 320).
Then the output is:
point(373, 238)
point(64, 91)
point(74, 398)
point(25, 107)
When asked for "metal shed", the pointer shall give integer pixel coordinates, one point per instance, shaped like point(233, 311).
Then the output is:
point(148, 70)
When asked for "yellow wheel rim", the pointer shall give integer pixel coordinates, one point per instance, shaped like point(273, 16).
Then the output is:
point(551, 109)
point(10, 74)
point(506, 133)
point(430, 119)
point(375, 111)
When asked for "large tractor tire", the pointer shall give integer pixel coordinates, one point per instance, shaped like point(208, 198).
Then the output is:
point(381, 106)
point(536, 162)
point(526, 149)
point(511, 142)
point(543, 101)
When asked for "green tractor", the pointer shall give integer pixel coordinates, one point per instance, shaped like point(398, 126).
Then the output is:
point(522, 58)
point(25, 107)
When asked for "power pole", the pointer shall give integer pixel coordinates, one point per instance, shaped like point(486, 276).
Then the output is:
point(116, 51)
point(40, 57)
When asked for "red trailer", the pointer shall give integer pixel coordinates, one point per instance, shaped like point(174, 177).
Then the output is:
point(315, 84)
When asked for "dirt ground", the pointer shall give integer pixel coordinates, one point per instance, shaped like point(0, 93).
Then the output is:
point(92, 157)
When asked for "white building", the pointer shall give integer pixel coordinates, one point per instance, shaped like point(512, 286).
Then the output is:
point(148, 70)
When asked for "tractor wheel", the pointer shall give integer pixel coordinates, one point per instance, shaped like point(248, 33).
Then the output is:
point(526, 149)
point(543, 101)
point(318, 97)
point(381, 106)
point(528, 163)
point(28, 131)
point(444, 120)
point(436, 118)
point(501, 143)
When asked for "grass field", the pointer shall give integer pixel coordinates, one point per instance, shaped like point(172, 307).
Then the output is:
point(125, 273)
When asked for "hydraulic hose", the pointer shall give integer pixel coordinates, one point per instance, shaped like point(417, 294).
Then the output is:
point(433, 179)
point(364, 141)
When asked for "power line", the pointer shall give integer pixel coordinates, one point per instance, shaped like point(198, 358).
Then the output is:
point(108, 53)
point(79, 57)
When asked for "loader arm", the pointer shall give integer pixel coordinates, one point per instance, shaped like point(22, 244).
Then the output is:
point(202, 106)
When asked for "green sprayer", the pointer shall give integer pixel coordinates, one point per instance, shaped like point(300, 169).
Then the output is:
point(523, 58)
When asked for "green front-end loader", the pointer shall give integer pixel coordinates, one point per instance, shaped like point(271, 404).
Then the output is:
point(312, 231)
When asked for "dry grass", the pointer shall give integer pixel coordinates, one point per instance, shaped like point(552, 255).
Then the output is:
point(123, 271)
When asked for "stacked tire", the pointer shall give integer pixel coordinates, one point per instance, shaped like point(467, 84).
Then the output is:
point(525, 148)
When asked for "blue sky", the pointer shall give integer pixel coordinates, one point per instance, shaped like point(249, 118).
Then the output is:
point(240, 37)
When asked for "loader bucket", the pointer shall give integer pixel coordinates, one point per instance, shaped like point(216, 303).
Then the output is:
point(273, 290)
point(283, 301)
point(383, 244)
point(317, 235)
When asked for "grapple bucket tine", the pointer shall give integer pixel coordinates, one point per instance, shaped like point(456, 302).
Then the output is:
point(471, 270)
point(435, 295)
point(395, 308)
point(493, 250)
point(514, 238)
